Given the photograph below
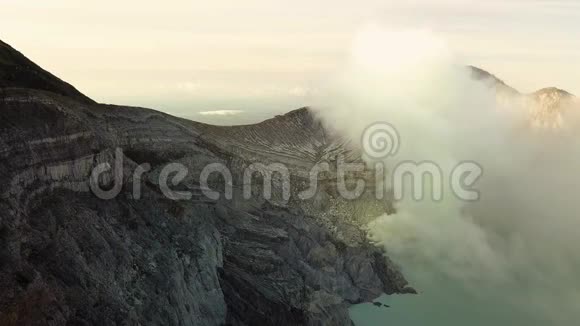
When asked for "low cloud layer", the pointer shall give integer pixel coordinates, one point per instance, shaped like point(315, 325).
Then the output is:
point(222, 112)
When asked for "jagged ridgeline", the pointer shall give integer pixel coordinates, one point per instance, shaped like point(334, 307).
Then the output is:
point(17, 71)
point(70, 258)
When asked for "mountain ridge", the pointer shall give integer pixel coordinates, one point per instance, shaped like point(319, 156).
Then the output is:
point(68, 257)
point(18, 71)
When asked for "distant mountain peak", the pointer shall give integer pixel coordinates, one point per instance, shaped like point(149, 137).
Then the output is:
point(552, 91)
point(500, 85)
point(549, 106)
point(479, 74)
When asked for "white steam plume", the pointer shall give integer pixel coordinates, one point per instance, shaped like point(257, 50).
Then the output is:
point(518, 243)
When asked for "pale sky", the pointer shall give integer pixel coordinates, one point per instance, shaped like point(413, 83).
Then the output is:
point(256, 56)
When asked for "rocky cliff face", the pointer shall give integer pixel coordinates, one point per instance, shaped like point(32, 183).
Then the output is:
point(550, 106)
point(17, 71)
point(70, 258)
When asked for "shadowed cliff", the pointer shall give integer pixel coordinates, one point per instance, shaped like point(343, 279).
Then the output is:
point(70, 258)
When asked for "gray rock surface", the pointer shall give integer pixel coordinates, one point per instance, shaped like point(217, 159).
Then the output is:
point(70, 258)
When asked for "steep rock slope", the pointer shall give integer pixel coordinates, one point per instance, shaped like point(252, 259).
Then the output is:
point(70, 258)
point(17, 71)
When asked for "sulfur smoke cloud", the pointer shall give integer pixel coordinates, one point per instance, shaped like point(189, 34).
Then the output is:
point(517, 246)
